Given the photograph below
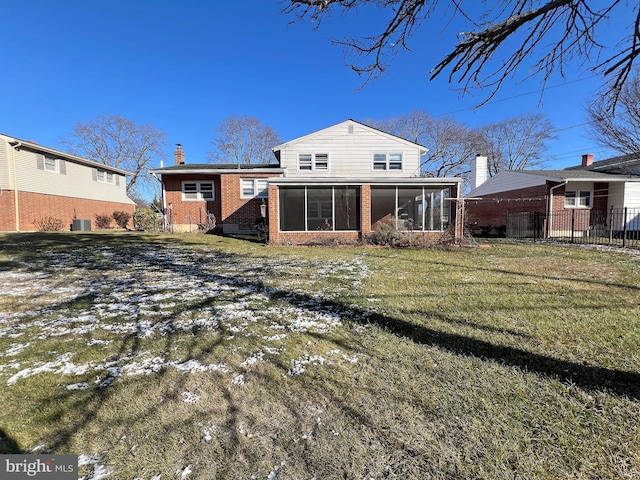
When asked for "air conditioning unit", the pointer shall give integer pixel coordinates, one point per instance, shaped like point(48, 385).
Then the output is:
point(81, 225)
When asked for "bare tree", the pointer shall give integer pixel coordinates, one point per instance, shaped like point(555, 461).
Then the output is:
point(120, 143)
point(542, 34)
point(622, 131)
point(516, 143)
point(244, 140)
point(450, 144)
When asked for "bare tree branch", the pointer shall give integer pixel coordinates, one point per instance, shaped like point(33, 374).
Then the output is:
point(244, 140)
point(541, 36)
point(622, 131)
point(120, 143)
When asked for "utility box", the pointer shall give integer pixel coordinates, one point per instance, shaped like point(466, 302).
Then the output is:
point(81, 225)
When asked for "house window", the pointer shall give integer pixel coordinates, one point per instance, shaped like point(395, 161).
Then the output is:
point(104, 176)
point(315, 162)
point(384, 161)
point(50, 164)
point(254, 187)
point(197, 191)
point(577, 199)
point(332, 208)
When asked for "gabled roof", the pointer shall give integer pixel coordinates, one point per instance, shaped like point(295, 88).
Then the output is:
point(217, 168)
point(35, 147)
point(507, 180)
point(347, 122)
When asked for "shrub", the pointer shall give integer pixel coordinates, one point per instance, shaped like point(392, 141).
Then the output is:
point(103, 222)
point(145, 219)
point(121, 218)
point(47, 223)
point(388, 236)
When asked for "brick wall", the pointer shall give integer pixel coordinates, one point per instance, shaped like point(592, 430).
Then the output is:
point(185, 215)
point(492, 210)
point(37, 205)
point(232, 212)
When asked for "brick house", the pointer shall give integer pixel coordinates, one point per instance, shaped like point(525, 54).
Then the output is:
point(38, 182)
point(337, 183)
point(589, 196)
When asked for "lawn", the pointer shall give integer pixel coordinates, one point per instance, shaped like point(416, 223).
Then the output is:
point(198, 357)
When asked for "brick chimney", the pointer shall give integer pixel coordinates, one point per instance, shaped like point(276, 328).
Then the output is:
point(178, 154)
point(587, 159)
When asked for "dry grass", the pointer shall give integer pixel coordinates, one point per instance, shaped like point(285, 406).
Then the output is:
point(243, 361)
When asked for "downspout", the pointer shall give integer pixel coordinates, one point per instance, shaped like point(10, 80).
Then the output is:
point(15, 146)
point(549, 215)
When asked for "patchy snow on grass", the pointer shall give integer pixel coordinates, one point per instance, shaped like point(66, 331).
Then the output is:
point(98, 471)
point(106, 313)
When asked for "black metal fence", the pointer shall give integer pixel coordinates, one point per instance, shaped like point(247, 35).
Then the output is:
point(616, 226)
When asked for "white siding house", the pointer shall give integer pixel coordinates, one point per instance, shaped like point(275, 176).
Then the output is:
point(347, 150)
point(38, 181)
point(346, 180)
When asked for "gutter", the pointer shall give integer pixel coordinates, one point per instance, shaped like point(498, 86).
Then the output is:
point(550, 216)
point(16, 146)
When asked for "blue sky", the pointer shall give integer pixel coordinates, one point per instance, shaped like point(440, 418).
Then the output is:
point(186, 66)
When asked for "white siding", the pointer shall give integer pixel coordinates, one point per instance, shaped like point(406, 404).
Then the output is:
point(77, 181)
point(616, 195)
point(507, 180)
point(632, 194)
point(350, 154)
point(5, 171)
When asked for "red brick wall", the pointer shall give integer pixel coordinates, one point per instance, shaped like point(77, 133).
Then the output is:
point(190, 213)
point(492, 210)
point(37, 205)
point(228, 206)
point(244, 212)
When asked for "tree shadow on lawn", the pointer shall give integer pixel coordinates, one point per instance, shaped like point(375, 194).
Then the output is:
point(87, 406)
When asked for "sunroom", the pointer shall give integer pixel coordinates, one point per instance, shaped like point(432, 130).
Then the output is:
point(306, 208)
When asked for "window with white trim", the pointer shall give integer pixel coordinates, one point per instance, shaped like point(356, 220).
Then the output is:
point(50, 164)
point(254, 188)
point(104, 176)
point(577, 198)
point(197, 191)
point(387, 161)
point(313, 162)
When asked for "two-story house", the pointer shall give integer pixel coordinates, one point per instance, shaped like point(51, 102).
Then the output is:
point(337, 183)
point(38, 182)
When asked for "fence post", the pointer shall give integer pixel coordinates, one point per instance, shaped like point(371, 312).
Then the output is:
point(611, 222)
point(573, 225)
point(624, 228)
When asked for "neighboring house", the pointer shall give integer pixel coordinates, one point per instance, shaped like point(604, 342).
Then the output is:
point(337, 183)
point(37, 182)
point(591, 198)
